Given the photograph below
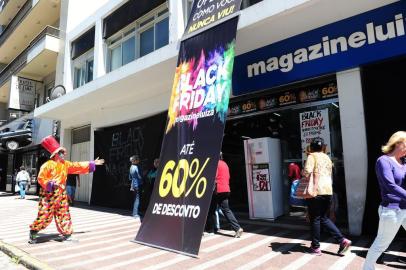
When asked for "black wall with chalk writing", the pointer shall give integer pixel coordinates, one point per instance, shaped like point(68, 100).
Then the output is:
point(111, 186)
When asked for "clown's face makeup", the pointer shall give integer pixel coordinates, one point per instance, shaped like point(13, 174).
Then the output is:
point(60, 156)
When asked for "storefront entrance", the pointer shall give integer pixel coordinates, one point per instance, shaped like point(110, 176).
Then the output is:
point(286, 121)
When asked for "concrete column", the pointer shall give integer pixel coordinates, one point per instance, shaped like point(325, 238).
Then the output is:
point(99, 51)
point(354, 145)
point(176, 20)
point(60, 63)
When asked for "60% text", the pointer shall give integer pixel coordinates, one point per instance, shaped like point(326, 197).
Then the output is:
point(170, 178)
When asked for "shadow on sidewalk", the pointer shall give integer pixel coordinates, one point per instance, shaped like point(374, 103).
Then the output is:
point(297, 248)
point(84, 205)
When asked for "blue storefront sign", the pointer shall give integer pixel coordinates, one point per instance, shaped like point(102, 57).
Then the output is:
point(371, 36)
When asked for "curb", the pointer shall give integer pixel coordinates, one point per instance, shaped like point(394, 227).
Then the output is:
point(23, 257)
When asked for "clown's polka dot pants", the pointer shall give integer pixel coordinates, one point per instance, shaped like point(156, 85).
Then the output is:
point(53, 204)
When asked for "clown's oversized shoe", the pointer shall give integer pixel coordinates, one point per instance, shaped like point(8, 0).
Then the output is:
point(33, 237)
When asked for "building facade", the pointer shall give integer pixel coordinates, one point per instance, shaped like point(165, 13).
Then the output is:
point(303, 68)
point(29, 45)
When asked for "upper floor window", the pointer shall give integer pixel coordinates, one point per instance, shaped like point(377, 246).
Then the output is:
point(82, 58)
point(145, 35)
point(83, 69)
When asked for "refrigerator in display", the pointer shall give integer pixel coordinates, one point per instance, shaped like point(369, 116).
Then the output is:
point(263, 163)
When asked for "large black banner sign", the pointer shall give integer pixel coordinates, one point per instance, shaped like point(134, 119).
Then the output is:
point(197, 112)
point(116, 144)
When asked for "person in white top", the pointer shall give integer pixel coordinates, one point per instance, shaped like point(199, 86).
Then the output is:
point(23, 178)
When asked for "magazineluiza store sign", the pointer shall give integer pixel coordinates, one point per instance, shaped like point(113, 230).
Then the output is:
point(358, 40)
point(197, 112)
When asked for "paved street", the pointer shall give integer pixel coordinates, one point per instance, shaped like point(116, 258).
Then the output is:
point(104, 243)
point(7, 264)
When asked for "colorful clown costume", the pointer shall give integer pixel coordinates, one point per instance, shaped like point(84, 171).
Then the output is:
point(53, 200)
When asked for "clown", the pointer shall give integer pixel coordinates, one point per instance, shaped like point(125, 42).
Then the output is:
point(53, 200)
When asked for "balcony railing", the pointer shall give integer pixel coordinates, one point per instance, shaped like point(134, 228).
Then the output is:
point(19, 17)
point(19, 62)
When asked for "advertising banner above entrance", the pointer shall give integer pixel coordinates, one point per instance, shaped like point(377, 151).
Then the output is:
point(371, 36)
point(281, 99)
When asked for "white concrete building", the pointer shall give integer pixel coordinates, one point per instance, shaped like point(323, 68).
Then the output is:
point(119, 57)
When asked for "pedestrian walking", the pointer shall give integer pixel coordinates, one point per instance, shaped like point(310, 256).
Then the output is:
point(293, 171)
point(391, 173)
point(223, 193)
point(320, 164)
point(136, 184)
point(23, 179)
point(53, 200)
point(71, 184)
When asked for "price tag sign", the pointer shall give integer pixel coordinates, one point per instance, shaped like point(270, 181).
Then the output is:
point(260, 177)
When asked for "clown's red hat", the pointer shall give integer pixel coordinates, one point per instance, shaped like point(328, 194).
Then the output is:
point(52, 145)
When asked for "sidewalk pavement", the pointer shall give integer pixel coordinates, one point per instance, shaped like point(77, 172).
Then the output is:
point(7, 263)
point(17, 259)
point(105, 244)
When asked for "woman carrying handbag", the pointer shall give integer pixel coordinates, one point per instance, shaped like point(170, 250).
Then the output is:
point(318, 194)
